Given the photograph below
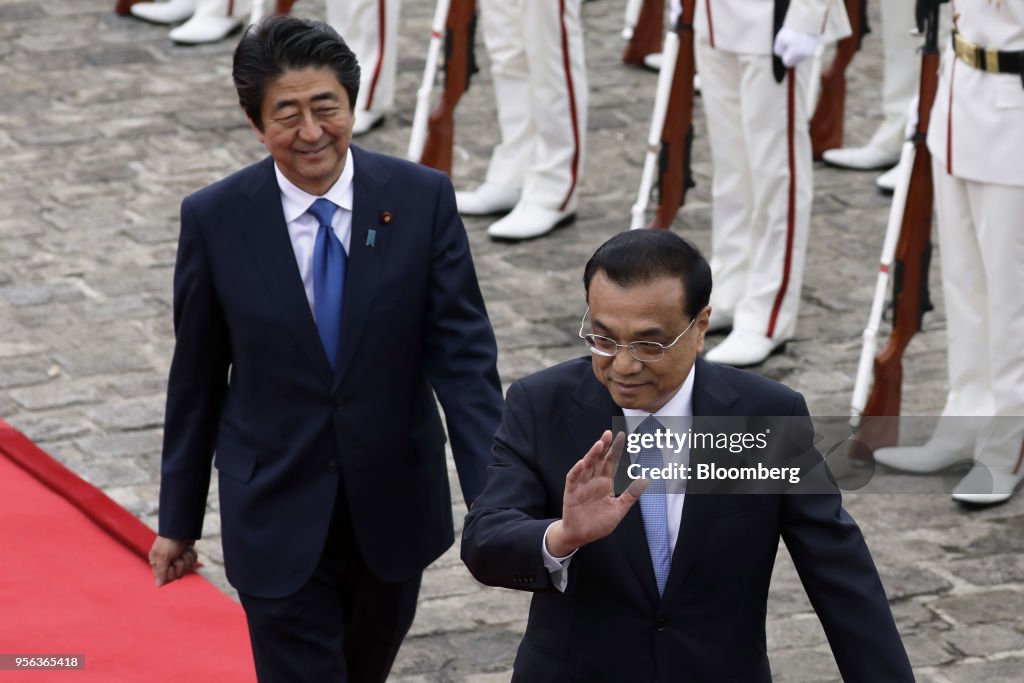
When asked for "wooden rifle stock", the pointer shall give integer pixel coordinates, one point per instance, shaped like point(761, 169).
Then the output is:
point(827, 122)
point(123, 6)
point(646, 37)
point(675, 176)
point(459, 66)
point(910, 269)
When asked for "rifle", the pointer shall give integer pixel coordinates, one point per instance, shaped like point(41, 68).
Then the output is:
point(433, 137)
point(644, 22)
point(909, 256)
point(827, 122)
point(670, 137)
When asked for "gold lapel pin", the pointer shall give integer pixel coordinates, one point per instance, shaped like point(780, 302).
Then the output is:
point(385, 217)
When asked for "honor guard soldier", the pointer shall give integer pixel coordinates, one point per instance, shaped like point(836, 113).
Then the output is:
point(761, 151)
point(976, 139)
point(540, 85)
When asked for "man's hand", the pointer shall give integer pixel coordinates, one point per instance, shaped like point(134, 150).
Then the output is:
point(793, 47)
point(590, 510)
point(171, 559)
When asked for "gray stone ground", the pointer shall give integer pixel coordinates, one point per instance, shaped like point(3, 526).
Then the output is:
point(105, 126)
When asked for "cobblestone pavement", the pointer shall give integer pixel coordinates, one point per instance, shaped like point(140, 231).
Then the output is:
point(105, 126)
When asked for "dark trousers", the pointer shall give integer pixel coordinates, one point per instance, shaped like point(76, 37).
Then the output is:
point(344, 626)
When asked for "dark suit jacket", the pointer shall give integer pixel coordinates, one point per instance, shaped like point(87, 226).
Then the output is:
point(250, 379)
point(609, 624)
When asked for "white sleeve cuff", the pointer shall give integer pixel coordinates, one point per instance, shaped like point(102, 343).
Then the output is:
point(558, 567)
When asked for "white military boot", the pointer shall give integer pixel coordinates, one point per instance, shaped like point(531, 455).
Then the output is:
point(170, 12)
point(488, 199)
point(213, 20)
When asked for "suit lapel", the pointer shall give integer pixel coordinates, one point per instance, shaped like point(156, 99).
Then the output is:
point(595, 415)
point(711, 397)
point(365, 255)
point(266, 234)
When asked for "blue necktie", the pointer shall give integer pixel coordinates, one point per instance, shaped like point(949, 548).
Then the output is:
point(329, 261)
point(654, 508)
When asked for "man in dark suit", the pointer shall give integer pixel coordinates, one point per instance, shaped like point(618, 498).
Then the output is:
point(319, 296)
point(674, 588)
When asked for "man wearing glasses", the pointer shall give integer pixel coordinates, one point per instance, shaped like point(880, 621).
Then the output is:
point(676, 587)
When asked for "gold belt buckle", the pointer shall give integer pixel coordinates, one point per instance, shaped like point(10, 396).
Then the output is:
point(966, 51)
point(991, 60)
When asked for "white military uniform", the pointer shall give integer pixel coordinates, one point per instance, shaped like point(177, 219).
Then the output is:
point(976, 138)
point(901, 74)
point(540, 85)
point(370, 27)
point(761, 151)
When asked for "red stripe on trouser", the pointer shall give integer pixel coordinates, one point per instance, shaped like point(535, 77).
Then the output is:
point(791, 208)
point(572, 106)
point(711, 26)
point(381, 27)
point(949, 122)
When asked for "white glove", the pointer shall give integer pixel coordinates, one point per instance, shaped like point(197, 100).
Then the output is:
point(911, 127)
point(675, 11)
point(794, 47)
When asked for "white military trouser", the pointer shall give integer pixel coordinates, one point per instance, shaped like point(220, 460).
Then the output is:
point(981, 245)
point(370, 27)
point(239, 9)
point(761, 190)
point(901, 73)
point(540, 86)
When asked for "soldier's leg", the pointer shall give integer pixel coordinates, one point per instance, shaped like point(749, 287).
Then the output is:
point(731, 185)
point(969, 399)
point(995, 212)
point(370, 27)
point(779, 151)
point(557, 104)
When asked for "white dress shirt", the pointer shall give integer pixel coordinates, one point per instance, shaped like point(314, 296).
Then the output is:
point(302, 226)
point(680, 405)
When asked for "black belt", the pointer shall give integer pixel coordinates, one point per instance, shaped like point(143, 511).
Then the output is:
point(987, 59)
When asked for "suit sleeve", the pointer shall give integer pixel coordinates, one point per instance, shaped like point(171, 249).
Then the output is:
point(504, 531)
point(195, 387)
point(461, 350)
point(843, 585)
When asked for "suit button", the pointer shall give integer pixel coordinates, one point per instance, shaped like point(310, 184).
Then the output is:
point(660, 623)
point(338, 406)
point(332, 466)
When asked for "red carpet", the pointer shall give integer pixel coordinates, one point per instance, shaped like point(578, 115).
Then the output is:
point(74, 580)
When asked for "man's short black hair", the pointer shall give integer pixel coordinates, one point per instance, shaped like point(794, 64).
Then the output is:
point(639, 256)
point(281, 43)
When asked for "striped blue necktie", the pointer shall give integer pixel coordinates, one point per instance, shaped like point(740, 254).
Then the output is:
point(329, 262)
point(654, 508)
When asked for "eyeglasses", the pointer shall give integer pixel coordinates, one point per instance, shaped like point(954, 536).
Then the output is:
point(643, 351)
